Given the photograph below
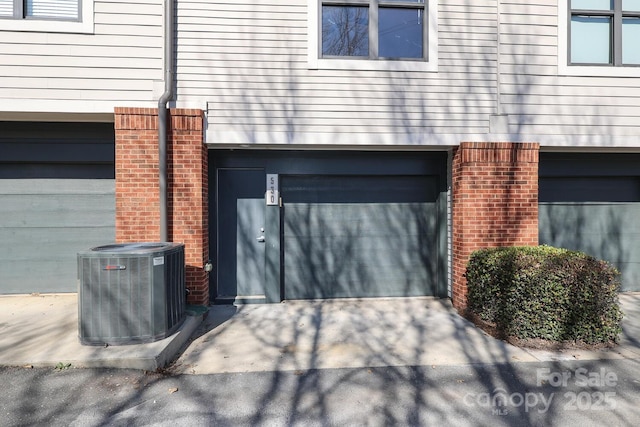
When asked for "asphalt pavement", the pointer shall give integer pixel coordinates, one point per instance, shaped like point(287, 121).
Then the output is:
point(564, 393)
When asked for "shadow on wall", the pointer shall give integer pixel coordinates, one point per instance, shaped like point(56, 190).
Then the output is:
point(350, 242)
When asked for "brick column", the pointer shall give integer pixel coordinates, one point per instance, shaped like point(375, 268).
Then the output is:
point(188, 197)
point(137, 187)
point(495, 202)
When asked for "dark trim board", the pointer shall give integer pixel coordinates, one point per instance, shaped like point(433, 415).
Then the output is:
point(335, 184)
point(333, 162)
point(30, 150)
point(558, 164)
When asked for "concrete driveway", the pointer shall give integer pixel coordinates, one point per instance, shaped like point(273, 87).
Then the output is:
point(298, 336)
point(41, 330)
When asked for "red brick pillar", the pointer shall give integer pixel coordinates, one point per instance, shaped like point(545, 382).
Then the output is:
point(188, 185)
point(495, 202)
point(137, 187)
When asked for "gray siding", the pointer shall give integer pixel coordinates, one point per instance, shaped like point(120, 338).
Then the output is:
point(248, 63)
point(64, 72)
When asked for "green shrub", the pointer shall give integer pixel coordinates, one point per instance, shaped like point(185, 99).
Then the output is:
point(545, 292)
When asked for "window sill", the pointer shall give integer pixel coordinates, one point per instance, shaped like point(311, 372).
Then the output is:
point(595, 71)
point(46, 26)
point(372, 65)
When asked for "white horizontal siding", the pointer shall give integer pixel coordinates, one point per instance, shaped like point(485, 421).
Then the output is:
point(558, 110)
point(64, 39)
point(117, 65)
point(247, 63)
point(85, 75)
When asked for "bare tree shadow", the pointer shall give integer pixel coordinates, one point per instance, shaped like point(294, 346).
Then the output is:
point(283, 104)
point(267, 101)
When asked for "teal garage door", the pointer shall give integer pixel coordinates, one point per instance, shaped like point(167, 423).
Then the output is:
point(360, 236)
point(595, 213)
point(57, 197)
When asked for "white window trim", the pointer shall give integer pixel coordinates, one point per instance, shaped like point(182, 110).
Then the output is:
point(54, 25)
point(564, 69)
point(316, 63)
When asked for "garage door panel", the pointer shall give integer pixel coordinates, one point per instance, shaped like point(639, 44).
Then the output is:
point(53, 242)
point(333, 253)
point(595, 214)
point(45, 259)
point(44, 223)
point(57, 197)
point(613, 231)
point(567, 219)
point(337, 269)
point(393, 219)
point(630, 275)
point(379, 245)
point(57, 211)
point(29, 276)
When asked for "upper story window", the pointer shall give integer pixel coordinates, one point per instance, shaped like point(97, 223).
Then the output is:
point(604, 32)
point(374, 29)
point(40, 9)
point(51, 16)
point(373, 34)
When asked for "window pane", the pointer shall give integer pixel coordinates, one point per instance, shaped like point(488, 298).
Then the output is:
point(66, 9)
point(592, 4)
point(630, 37)
point(345, 31)
point(6, 7)
point(590, 40)
point(631, 5)
point(400, 33)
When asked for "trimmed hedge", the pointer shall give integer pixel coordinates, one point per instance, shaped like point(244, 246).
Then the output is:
point(545, 292)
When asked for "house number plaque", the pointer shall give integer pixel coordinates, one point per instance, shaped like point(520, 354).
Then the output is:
point(273, 195)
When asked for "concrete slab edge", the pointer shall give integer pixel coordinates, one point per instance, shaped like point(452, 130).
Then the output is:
point(183, 335)
point(153, 357)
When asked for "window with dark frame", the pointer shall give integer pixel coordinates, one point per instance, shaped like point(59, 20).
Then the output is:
point(374, 29)
point(66, 10)
point(604, 32)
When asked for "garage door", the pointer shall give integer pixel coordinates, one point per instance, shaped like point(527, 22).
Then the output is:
point(57, 197)
point(596, 212)
point(359, 236)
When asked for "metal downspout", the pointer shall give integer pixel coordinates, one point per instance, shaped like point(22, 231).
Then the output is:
point(162, 117)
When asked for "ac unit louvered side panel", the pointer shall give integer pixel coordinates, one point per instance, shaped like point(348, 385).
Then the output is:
point(129, 298)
